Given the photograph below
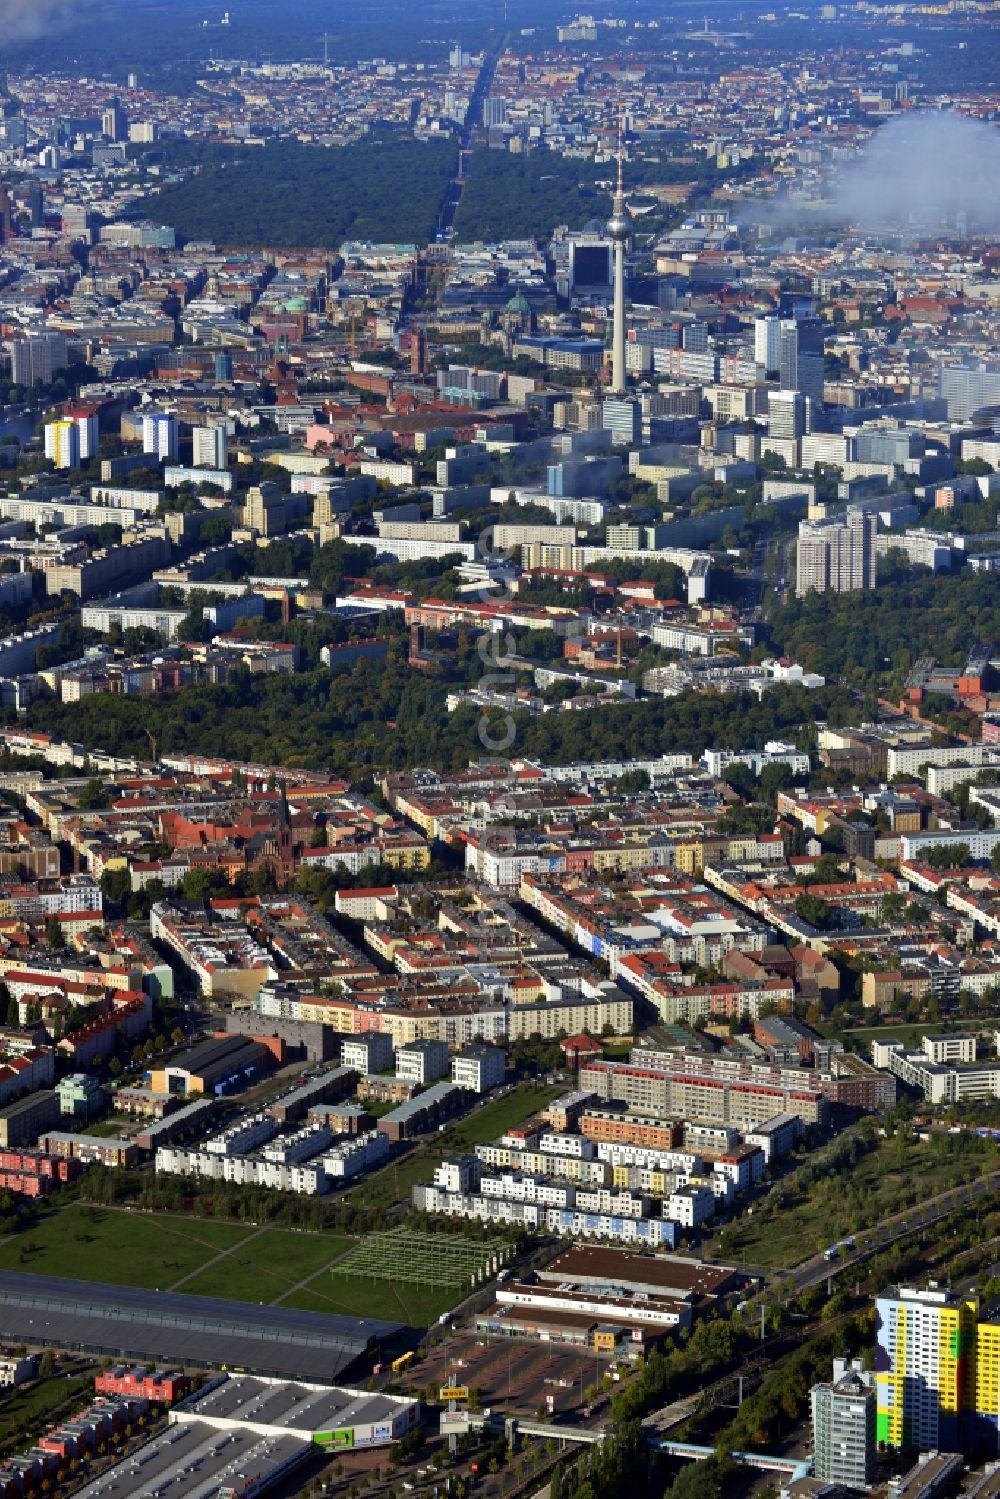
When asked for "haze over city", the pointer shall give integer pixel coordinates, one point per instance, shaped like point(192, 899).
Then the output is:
point(499, 750)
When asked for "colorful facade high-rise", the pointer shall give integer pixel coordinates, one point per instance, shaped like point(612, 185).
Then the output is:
point(937, 1372)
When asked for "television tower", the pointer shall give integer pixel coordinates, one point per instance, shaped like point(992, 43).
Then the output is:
point(620, 229)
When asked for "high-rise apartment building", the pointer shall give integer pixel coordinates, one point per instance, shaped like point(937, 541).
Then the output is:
point(160, 435)
point(837, 554)
point(37, 358)
point(73, 440)
point(209, 445)
point(844, 1426)
point(925, 1367)
point(767, 343)
point(86, 424)
point(62, 444)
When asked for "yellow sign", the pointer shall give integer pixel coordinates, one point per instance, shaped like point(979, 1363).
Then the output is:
point(455, 1392)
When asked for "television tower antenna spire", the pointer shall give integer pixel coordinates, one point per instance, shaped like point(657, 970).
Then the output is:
point(620, 228)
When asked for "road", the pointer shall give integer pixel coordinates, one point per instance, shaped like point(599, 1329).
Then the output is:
point(816, 1269)
point(474, 114)
point(813, 1271)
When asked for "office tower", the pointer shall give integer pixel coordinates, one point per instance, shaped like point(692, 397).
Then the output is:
point(968, 387)
point(62, 444)
point(786, 414)
point(494, 111)
point(837, 555)
point(623, 418)
point(620, 232)
point(209, 445)
point(843, 1418)
point(767, 343)
point(37, 358)
point(925, 1367)
point(223, 367)
point(800, 357)
point(14, 132)
point(6, 216)
point(36, 205)
point(77, 222)
point(114, 125)
point(159, 435)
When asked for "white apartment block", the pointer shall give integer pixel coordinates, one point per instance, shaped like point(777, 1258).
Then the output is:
point(690, 1205)
point(479, 1068)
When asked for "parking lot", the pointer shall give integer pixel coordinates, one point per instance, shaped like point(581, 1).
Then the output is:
point(512, 1373)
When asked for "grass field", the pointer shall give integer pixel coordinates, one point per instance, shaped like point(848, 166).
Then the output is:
point(161, 1252)
point(131, 1249)
point(204, 1258)
point(418, 1305)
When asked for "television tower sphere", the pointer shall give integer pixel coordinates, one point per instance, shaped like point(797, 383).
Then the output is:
point(620, 224)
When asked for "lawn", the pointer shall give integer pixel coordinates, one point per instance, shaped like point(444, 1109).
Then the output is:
point(162, 1252)
point(910, 1034)
point(267, 1267)
point(131, 1249)
point(501, 1114)
point(416, 1305)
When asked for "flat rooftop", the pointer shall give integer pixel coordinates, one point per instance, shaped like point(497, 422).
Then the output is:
point(193, 1459)
point(127, 1322)
point(296, 1407)
point(663, 1275)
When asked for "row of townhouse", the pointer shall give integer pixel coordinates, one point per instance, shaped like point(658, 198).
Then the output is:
point(356, 1154)
point(570, 1168)
point(551, 1192)
point(653, 1233)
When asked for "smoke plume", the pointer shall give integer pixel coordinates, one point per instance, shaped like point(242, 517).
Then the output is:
point(27, 20)
point(922, 170)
